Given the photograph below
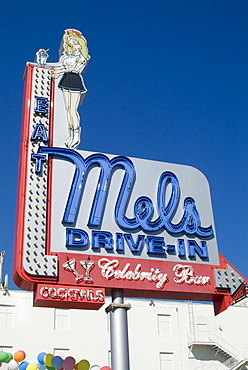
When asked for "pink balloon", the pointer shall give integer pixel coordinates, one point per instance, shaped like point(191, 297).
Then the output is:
point(69, 363)
point(105, 368)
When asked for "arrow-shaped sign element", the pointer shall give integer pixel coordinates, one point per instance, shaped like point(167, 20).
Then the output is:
point(228, 279)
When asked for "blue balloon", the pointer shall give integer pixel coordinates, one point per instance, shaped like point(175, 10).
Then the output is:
point(41, 367)
point(57, 362)
point(40, 357)
point(23, 365)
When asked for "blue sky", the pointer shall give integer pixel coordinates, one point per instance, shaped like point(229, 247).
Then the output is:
point(167, 81)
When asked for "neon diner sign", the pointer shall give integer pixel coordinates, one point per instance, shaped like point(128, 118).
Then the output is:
point(90, 220)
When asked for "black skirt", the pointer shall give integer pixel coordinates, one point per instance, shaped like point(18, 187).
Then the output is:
point(72, 81)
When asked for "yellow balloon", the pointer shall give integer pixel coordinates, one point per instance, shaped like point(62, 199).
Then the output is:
point(83, 365)
point(48, 359)
point(31, 367)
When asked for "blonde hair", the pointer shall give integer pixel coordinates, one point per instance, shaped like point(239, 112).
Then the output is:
point(80, 39)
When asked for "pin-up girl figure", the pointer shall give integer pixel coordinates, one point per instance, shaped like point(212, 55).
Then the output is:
point(72, 63)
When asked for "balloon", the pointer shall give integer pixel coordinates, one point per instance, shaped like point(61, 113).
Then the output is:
point(50, 368)
point(57, 362)
point(33, 361)
point(23, 365)
point(95, 367)
point(69, 363)
point(13, 365)
point(0, 364)
point(105, 368)
point(31, 367)
point(40, 357)
point(83, 365)
point(9, 358)
point(48, 359)
point(3, 356)
point(19, 356)
point(41, 367)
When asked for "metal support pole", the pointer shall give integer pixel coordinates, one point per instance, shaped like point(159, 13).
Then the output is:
point(118, 331)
